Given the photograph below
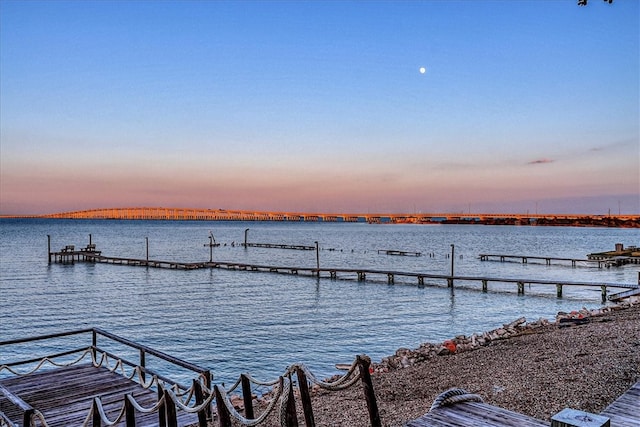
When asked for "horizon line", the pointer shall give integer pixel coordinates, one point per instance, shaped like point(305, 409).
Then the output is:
point(156, 212)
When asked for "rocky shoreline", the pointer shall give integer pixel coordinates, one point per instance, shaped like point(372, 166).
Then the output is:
point(583, 360)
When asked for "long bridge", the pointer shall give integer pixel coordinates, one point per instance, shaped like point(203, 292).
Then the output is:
point(162, 213)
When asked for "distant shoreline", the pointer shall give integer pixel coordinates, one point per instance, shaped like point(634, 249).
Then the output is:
point(458, 218)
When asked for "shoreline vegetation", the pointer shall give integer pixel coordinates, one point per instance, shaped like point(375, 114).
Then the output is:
point(584, 360)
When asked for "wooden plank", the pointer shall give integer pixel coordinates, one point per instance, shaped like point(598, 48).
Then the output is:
point(65, 395)
point(475, 414)
point(625, 410)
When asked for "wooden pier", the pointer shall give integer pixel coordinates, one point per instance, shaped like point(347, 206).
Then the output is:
point(398, 253)
point(547, 260)
point(473, 412)
point(625, 411)
point(78, 391)
point(70, 255)
point(279, 246)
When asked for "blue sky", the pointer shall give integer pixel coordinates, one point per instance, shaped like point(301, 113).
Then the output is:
point(320, 106)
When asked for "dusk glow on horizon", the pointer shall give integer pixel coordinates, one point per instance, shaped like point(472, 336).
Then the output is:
point(420, 106)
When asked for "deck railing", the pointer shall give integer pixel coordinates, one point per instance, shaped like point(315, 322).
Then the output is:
point(200, 398)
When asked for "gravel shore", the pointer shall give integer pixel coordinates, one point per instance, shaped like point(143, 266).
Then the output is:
point(539, 373)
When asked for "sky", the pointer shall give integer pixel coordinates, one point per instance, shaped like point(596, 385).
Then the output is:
point(320, 106)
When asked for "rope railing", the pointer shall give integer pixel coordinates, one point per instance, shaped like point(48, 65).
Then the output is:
point(199, 398)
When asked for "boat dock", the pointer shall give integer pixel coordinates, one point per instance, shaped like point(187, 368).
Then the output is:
point(93, 389)
point(547, 260)
point(89, 254)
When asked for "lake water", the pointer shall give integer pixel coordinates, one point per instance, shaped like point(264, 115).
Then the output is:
point(240, 321)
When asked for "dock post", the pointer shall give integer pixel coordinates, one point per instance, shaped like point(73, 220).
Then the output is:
point(364, 363)
point(484, 285)
point(604, 293)
point(559, 290)
point(305, 397)
point(520, 288)
point(453, 251)
point(142, 366)
point(129, 411)
point(390, 278)
point(96, 420)
point(246, 230)
point(223, 413)
point(49, 247)
point(199, 395)
point(147, 240)
point(420, 281)
point(291, 419)
point(89, 238)
point(317, 258)
point(246, 397)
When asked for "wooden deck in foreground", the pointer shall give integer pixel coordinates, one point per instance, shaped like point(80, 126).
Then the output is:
point(623, 412)
point(65, 395)
point(474, 414)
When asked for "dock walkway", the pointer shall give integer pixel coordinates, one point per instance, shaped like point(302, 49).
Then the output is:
point(475, 414)
point(65, 396)
point(359, 273)
point(625, 411)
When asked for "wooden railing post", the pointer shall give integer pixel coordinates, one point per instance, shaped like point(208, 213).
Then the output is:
point(142, 365)
point(291, 419)
point(170, 410)
point(26, 417)
point(305, 397)
point(247, 397)
point(374, 416)
point(129, 411)
point(162, 419)
point(223, 412)
point(94, 344)
point(96, 421)
point(202, 415)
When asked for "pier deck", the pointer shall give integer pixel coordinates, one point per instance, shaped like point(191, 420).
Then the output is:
point(65, 396)
point(549, 260)
point(624, 411)
point(360, 273)
point(475, 414)
point(103, 390)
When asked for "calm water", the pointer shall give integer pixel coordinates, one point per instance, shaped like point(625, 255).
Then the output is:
point(233, 321)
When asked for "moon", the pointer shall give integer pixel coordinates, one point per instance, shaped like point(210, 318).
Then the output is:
point(423, 70)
